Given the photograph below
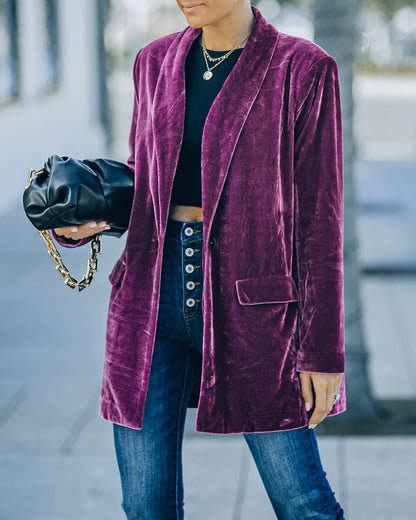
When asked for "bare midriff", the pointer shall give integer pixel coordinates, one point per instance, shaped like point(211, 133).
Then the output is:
point(185, 213)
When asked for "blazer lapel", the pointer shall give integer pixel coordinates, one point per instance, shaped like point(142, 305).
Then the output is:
point(224, 121)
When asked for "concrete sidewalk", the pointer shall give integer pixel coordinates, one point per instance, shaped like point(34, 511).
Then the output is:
point(57, 455)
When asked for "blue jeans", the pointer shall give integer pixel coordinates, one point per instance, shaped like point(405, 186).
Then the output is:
point(150, 460)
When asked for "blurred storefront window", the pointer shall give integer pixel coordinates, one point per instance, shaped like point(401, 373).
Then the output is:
point(389, 35)
point(385, 82)
point(8, 51)
point(52, 62)
point(47, 46)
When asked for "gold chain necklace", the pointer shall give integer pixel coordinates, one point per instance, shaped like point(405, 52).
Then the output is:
point(208, 73)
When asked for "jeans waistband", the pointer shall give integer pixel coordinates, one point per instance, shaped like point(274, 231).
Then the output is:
point(177, 229)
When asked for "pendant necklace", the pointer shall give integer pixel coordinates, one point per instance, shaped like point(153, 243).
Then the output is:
point(208, 73)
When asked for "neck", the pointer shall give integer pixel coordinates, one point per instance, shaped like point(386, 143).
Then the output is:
point(228, 32)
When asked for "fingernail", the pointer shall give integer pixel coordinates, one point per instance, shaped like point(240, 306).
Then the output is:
point(311, 426)
point(307, 406)
point(103, 224)
point(74, 229)
point(93, 225)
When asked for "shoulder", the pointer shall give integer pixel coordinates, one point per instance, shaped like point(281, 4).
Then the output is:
point(161, 45)
point(305, 57)
point(306, 63)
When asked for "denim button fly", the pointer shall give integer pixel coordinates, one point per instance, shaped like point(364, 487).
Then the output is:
point(186, 239)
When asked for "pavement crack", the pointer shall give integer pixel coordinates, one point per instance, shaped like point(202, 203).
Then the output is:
point(242, 484)
point(13, 404)
point(80, 424)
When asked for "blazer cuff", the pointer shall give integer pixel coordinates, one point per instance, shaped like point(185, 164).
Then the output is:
point(327, 365)
point(68, 242)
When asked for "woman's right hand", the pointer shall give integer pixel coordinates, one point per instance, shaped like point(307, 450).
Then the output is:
point(85, 230)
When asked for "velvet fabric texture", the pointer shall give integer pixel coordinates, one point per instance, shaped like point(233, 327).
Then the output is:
point(272, 198)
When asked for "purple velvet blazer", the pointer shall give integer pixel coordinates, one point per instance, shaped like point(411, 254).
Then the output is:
point(272, 196)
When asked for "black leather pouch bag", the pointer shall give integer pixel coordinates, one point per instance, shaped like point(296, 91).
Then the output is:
point(69, 192)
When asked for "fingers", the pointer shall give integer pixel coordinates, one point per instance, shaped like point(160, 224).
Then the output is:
point(321, 409)
point(324, 385)
point(306, 386)
point(83, 231)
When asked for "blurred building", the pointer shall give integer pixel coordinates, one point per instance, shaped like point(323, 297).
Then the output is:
point(385, 84)
point(52, 86)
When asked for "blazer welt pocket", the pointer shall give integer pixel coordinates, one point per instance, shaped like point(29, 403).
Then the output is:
point(273, 288)
point(117, 272)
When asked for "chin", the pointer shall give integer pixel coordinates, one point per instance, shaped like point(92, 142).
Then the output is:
point(194, 24)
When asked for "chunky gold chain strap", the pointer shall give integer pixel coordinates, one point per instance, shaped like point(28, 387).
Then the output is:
point(61, 268)
point(32, 176)
point(56, 257)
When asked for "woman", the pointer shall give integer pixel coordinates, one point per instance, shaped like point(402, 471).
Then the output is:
point(238, 312)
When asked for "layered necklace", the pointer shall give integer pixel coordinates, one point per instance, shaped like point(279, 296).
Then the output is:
point(208, 73)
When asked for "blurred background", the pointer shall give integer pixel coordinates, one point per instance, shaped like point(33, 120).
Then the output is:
point(66, 87)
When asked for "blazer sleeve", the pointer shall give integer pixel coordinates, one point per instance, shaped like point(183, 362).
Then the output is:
point(133, 127)
point(67, 242)
point(319, 220)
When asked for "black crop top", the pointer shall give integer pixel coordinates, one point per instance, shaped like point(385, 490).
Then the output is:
point(200, 94)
